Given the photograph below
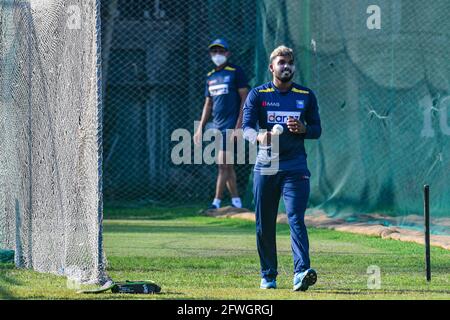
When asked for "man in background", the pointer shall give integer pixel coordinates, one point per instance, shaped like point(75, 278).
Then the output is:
point(225, 93)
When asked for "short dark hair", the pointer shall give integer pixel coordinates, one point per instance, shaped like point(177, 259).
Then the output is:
point(282, 51)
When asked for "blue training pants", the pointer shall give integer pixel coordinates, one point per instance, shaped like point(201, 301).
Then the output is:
point(267, 189)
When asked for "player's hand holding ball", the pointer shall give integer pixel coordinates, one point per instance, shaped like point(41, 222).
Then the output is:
point(277, 129)
point(295, 126)
point(264, 138)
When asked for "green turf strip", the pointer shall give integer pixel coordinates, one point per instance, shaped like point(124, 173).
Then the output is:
point(194, 257)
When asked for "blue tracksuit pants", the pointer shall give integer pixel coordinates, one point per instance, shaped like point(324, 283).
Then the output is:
point(294, 187)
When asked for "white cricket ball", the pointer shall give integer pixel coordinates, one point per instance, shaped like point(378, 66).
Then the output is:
point(277, 129)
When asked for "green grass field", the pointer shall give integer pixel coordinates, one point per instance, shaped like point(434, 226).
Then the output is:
point(195, 257)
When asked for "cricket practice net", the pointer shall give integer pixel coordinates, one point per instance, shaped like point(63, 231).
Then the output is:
point(380, 70)
point(50, 136)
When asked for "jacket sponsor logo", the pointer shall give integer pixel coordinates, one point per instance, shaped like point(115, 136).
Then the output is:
point(270, 104)
point(218, 89)
point(281, 116)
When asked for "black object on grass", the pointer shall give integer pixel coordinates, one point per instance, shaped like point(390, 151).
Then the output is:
point(426, 207)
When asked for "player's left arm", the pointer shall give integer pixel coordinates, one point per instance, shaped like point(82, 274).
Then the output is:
point(312, 119)
point(312, 129)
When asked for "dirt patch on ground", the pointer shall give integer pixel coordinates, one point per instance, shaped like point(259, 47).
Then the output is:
point(319, 219)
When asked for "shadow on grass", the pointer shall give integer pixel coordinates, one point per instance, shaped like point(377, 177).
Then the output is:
point(151, 213)
point(5, 293)
point(198, 229)
point(368, 292)
point(124, 296)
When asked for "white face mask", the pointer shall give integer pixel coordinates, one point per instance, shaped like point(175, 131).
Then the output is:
point(219, 59)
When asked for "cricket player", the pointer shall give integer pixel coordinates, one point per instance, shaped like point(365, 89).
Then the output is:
point(225, 94)
point(283, 102)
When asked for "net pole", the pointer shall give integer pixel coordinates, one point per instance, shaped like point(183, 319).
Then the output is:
point(27, 8)
point(427, 231)
point(100, 254)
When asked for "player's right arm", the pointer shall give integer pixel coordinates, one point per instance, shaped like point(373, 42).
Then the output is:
point(206, 114)
point(250, 120)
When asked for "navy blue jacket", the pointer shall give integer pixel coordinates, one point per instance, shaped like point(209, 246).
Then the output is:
point(266, 106)
point(222, 86)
